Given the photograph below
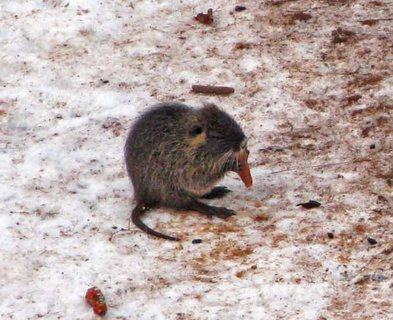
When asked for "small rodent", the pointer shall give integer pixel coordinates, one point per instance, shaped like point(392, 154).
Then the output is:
point(176, 154)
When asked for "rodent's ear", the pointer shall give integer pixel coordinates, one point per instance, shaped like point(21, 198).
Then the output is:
point(195, 130)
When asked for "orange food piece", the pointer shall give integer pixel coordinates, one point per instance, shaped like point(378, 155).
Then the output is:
point(244, 171)
point(96, 299)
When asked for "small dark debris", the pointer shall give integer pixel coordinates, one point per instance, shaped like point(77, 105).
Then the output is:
point(242, 46)
point(382, 199)
point(279, 3)
point(366, 278)
point(123, 85)
point(111, 123)
point(366, 80)
point(310, 204)
point(311, 103)
point(301, 16)
point(240, 8)
point(205, 18)
point(196, 241)
point(372, 146)
point(371, 241)
point(330, 235)
point(222, 90)
point(348, 101)
point(388, 251)
point(104, 81)
point(366, 132)
point(369, 22)
point(341, 35)
point(114, 227)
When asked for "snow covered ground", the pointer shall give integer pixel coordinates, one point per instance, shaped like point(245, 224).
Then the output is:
point(313, 90)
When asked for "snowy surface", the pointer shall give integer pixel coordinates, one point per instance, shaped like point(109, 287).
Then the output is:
point(316, 101)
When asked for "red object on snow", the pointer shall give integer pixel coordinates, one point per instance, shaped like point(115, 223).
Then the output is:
point(96, 299)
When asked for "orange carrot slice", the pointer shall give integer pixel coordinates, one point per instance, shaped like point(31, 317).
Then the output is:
point(244, 172)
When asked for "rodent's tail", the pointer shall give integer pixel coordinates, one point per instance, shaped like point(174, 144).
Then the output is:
point(136, 219)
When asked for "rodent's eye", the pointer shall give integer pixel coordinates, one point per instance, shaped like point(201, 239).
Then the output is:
point(195, 130)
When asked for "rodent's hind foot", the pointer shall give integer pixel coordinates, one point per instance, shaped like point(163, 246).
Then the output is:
point(219, 212)
point(216, 193)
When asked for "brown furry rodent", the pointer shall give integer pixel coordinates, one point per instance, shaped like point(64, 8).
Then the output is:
point(176, 154)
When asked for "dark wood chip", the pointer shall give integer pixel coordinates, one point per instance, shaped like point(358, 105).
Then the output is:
point(341, 35)
point(240, 8)
point(371, 241)
point(309, 205)
point(212, 89)
point(301, 16)
point(205, 18)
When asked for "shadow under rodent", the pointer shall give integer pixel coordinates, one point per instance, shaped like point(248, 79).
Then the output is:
point(176, 154)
